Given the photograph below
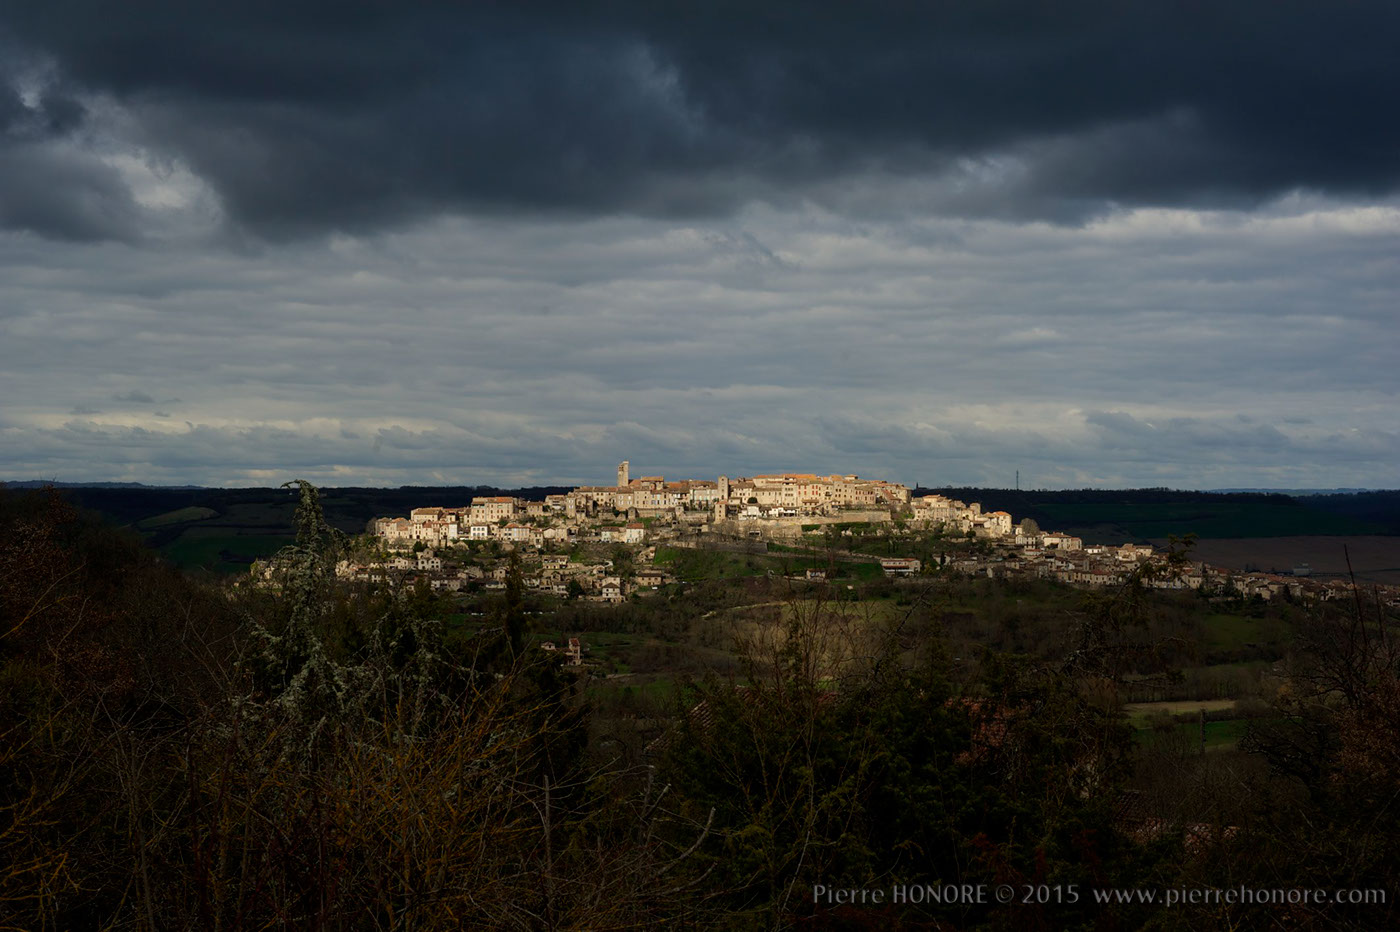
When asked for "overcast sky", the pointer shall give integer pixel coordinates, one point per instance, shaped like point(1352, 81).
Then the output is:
point(1104, 243)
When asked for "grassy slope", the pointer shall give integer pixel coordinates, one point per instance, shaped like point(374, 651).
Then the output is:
point(1225, 633)
point(695, 565)
point(178, 516)
point(1220, 736)
point(207, 548)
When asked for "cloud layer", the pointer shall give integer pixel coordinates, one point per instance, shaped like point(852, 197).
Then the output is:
point(1152, 347)
point(313, 116)
point(1101, 243)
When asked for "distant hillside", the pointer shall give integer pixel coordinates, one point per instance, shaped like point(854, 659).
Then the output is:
point(224, 530)
point(1381, 507)
point(1118, 515)
point(45, 483)
point(1296, 493)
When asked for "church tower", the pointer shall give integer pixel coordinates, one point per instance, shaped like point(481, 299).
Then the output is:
point(623, 479)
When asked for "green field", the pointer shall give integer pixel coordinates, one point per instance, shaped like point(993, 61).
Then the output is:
point(1223, 633)
point(611, 650)
point(225, 540)
point(178, 516)
point(696, 565)
point(220, 551)
point(1220, 736)
point(1141, 713)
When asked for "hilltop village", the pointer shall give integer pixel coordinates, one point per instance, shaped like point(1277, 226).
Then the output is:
point(601, 542)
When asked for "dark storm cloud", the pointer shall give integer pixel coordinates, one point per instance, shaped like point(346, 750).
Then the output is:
point(52, 114)
point(351, 115)
point(49, 186)
point(64, 195)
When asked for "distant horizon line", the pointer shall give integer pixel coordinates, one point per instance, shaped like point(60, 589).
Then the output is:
point(186, 487)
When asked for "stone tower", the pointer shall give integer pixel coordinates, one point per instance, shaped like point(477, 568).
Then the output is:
point(723, 488)
point(623, 479)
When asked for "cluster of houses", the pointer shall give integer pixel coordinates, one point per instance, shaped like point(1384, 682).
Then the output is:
point(525, 524)
point(641, 511)
point(618, 512)
point(622, 512)
point(1069, 560)
point(555, 573)
point(933, 510)
point(776, 495)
